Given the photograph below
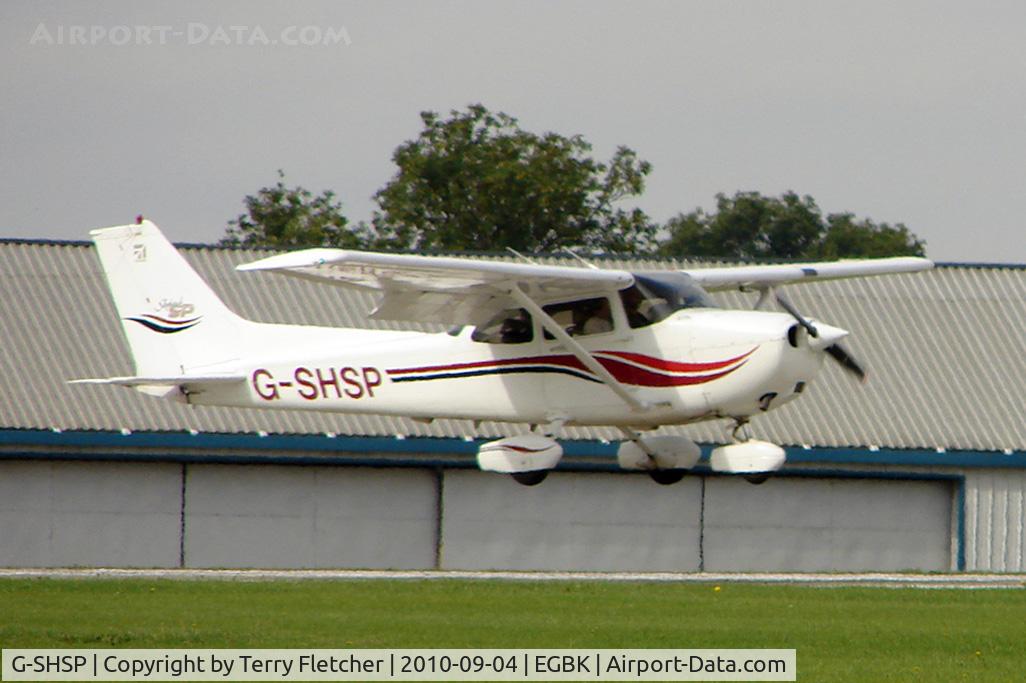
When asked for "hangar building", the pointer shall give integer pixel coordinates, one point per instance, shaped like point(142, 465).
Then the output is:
point(923, 467)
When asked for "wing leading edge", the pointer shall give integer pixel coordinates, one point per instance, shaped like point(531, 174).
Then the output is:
point(755, 277)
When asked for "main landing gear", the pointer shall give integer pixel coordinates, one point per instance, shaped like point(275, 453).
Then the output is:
point(667, 477)
point(530, 478)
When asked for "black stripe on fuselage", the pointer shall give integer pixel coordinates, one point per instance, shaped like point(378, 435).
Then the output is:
point(498, 371)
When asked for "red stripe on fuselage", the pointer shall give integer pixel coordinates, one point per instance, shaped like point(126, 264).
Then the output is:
point(622, 371)
point(673, 366)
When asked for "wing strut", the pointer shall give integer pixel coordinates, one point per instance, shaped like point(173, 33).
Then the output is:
point(579, 351)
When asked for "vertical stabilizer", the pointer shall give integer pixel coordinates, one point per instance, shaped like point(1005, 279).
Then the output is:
point(174, 323)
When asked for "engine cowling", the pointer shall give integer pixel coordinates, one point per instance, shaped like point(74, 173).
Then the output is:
point(669, 452)
point(515, 454)
point(748, 457)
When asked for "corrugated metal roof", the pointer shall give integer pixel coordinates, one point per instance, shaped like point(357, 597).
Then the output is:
point(944, 350)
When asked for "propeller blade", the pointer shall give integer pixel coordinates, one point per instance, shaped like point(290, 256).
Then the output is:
point(789, 307)
point(839, 354)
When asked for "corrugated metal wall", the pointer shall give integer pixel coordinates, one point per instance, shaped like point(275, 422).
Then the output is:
point(944, 349)
point(995, 503)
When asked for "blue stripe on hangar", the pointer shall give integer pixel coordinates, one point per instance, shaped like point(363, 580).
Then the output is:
point(172, 444)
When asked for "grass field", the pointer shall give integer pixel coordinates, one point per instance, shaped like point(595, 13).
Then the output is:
point(841, 634)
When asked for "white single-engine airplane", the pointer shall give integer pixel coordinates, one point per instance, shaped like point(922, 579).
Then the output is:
point(544, 345)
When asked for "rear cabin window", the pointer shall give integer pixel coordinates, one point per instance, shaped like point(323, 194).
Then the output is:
point(510, 326)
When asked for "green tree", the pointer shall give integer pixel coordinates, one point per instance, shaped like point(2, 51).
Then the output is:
point(477, 181)
point(284, 217)
point(752, 226)
point(848, 237)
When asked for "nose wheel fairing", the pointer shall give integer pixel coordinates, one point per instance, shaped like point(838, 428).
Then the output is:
point(751, 458)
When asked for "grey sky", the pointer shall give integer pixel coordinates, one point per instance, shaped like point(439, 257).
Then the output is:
point(897, 111)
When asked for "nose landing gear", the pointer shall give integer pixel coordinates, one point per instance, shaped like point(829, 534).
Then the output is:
point(666, 458)
point(753, 459)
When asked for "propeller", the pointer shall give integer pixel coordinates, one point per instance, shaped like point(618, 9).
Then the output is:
point(834, 350)
point(841, 355)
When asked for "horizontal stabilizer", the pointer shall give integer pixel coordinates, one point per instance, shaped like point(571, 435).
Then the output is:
point(169, 381)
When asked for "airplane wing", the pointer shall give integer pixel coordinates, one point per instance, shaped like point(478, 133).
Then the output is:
point(758, 277)
point(440, 289)
point(470, 291)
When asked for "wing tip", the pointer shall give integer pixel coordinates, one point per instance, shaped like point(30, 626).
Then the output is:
point(305, 258)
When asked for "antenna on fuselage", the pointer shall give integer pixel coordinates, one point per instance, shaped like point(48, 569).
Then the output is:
point(580, 258)
point(521, 256)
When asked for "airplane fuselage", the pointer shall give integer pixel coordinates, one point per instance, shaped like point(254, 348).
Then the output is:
point(696, 364)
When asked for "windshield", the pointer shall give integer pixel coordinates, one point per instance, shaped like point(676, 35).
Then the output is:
point(654, 296)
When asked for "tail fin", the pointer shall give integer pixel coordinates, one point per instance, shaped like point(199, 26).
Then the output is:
point(175, 324)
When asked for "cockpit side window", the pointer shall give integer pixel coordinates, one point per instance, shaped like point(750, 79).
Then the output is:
point(509, 326)
point(582, 317)
point(637, 307)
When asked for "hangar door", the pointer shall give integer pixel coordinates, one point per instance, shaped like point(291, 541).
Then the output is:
point(814, 524)
point(616, 522)
point(574, 521)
